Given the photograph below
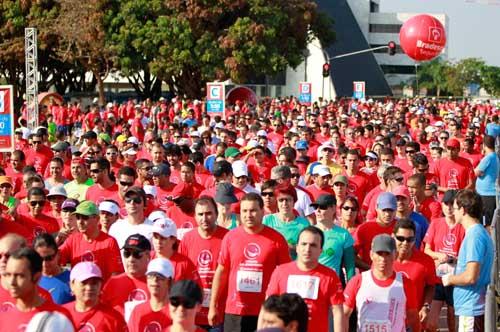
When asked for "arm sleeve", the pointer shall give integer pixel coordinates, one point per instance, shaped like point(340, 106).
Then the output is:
point(484, 163)
point(351, 291)
point(283, 251)
point(116, 258)
point(349, 263)
point(273, 287)
point(65, 252)
point(411, 295)
point(337, 294)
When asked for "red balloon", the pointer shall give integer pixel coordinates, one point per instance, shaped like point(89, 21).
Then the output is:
point(422, 37)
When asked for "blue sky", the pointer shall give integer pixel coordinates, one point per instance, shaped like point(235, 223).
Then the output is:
point(473, 26)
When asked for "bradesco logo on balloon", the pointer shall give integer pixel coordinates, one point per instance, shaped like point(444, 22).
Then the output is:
point(434, 44)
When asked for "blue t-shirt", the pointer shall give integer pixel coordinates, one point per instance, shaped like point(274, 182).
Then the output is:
point(290, 230)
point(421, 226)
point(477, 246)
point(337, 240)
point(58, 287)
point(493, 129)
point(485, 185)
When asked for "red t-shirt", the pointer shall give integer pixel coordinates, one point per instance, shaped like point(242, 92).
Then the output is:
point(364, 236)
point(9, 226)
point(443, 238)
point(474, 158)
point(17, 178)
point(430, 208)
point(354, 284)
point(144, 319)
point(15, 320)
point(370, 201)
point(250, 258)
point(204, 253)
point(420, 270)
point(38, 225)
point(101, 318)
point(453, 174)
point(320, 288)
point(181, 219)
point(316, 191)
point(358, 185)
point(198, 329)
point(122, 288)
point(7, 303)
point(97, 194)
point(162, 195)
point(103, 251)
point(39, 159)
point(403, 164)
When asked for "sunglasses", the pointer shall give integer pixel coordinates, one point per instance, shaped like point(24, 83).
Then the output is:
point(5, 186)
point(349, 208)
point(295, 175)
point(410, 151)
point(370, 159)
point(399, 179)
point(328, 150)
point(147, 168)
point(36, 142)
point(96, 170)
point(423, 170)
point(93, 153)
point(35, 203)
point(405, 239)
point(186, 303)
point(126, 184)
point(49, 258)
point(339, 184)
point(136, 200)
point(134, 253)
point(443, 137)
point(267, 193)
point(111, 153)
point(241, 177)
point(324, 207)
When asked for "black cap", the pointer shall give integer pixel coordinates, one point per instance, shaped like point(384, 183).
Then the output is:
point(401, 142)
point(137, 242)
point(384, 243)
point(90, 134)
point(224, 193)
point(160, 169)
point(186, 289)
point(222, 167)
point(326, 200)
point(449, 196)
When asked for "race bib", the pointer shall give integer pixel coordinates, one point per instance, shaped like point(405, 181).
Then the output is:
point(249, 281)
point(305, 286)
point(376, 326)
point(207, 294)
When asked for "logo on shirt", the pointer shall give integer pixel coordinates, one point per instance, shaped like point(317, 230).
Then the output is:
point(88, 256)
point(205, 258)
point(88, 327)
point(252, 251)
point(449, 240)
point(37, 230)
point(187, 224)
point(137, 295)
point(153, 326)
point(6, 306)
point(351, 188)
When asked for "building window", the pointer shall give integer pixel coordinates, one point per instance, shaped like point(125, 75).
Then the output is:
point(406, 70)
point(278, 90)
point(385, 28)
point(373, 7)
point(384, 50)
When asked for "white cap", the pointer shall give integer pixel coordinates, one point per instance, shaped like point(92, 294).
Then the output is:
point(240, 141)
point(49, 321)
point(57, 191)
point(183, 141)
point(252, 144)
point(302, 123)
point(156, 215)
point(262, 133)
point(138, 106)
point(161, 266)
point(321, 170)
point(300, 118)
point(344, 116)
point(133, 140)
point(438, 124)
point(165, 227)
point(109, 207)
point(150, 190)
point(195, 133)
point(109, 105)
point(430, 129)
point(240, 168)
point(219, 125)
point(476, 120)
point(130, 151)
point(419, 112)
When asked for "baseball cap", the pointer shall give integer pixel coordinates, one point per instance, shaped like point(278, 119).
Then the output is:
point(109, 207)
point(401, 142)
point(186, 289)
point(137, 242)
point(224, 193)
point(434, 145)
point(150, 190)
point(90, 134)
point(231, 152)
point(262, 133)
point(157, 214)
point(84, 271)
point(182, 190)
point(69, 204)
point(130, 152)
point(252, 144)
point(160, 169)
point(453, 143)
point(321, 170)
point(384, 243)
point(371, 154)
point(401, 191)
point(135, 190)
point(219, 125)
point(325, 200)
point(301, 145)
point(60, 146)
point(222, 167)
point(5, 179)
point(57, 191)
point(387, 200)
point(161, 266)
point(49, 321)
point(449, 196)
point(240, 168)
point(87, 208)
point(133, 140)
point(78, 161)
point(165, 227)
point(340, 178)
point(105, 137)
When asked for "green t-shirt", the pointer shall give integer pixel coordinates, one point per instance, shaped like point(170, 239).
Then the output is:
point(337, 241)
point(11, 202)
point(78, 190)
point(289, 230)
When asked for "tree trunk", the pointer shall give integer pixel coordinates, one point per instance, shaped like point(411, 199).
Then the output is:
point(100, 88)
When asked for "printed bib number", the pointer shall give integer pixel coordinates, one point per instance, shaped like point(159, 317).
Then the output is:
point(249, 281)
point(207, 293)
point(305, 286)
point(376, 326)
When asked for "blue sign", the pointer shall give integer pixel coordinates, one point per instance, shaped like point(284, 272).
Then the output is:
point(305, 96)
point(358, 90)
point(215, 98)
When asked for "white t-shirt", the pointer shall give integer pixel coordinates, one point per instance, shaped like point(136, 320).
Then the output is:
point(303, 204)
point(122, 229)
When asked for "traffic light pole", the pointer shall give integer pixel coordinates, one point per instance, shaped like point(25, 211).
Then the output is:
point(359, 52)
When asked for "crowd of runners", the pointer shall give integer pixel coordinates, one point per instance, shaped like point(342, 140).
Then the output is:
point(344, 215)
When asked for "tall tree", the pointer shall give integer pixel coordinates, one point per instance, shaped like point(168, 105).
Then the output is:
point(490, 80)
point(430, 75)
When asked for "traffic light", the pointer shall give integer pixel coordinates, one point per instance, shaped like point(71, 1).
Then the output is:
point(392, 48)
point(326, 70)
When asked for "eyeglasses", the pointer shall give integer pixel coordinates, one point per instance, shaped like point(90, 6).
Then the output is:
point(267, 193)
point(324, 207)
point(49, 258)
point(398, 179)
point(405, 239)
point(410, 151)
point(126, 184)
point(327, 150)
point(186, 303)
point(93, 153)
point(35, 203)
point(157, 276)
point(96, 170)
point(349, 208)
point(148, 168)
point(134, 253)
point(295, 175)
point(136, 200)
point(111, 153)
